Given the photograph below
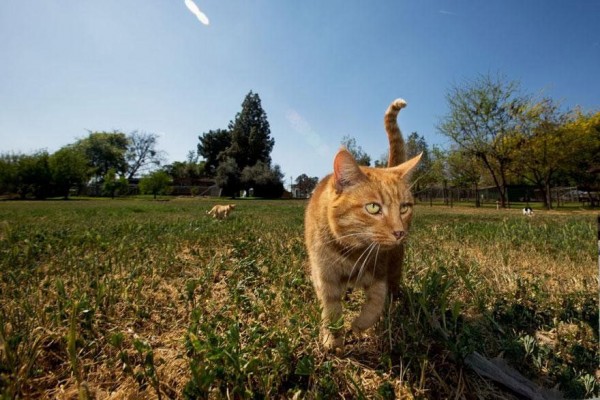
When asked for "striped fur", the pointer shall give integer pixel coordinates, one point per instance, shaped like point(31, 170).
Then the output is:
point(355, 225)
point(397, 147)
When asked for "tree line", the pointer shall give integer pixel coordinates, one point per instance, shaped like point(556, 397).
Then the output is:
point(503, 136)
point(108, 159)
point(237, 158)
point(499, 136)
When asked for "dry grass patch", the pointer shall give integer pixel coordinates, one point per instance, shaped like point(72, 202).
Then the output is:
point(141, 299)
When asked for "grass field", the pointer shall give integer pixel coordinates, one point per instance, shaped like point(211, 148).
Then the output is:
point(154, 299)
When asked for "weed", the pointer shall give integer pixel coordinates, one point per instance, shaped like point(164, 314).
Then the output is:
point(227, 309)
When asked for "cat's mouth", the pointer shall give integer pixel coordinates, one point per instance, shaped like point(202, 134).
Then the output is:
point(385, 242)
point(393, 240)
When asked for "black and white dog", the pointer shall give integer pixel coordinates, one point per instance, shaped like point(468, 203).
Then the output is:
point(528, 211)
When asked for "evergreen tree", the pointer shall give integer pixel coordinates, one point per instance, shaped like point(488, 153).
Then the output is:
point(212, 146)
point(228, 177)
point(251, 140)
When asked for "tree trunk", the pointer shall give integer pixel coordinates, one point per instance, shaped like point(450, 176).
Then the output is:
point(548, 197)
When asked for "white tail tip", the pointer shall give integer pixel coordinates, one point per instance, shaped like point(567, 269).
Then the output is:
point(399, 104)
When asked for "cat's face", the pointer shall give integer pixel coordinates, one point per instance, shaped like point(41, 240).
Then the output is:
point(373, 205)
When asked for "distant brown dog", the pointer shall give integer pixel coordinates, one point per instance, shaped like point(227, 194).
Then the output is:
point(221, 211)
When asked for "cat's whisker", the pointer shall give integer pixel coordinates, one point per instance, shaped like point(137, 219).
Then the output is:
point(344, 254)
point(358, 260)
point(346, 236)
point(372, 247)
point(375, 262)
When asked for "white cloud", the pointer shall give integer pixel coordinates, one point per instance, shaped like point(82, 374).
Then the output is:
point(445, 12)
point(196, 11)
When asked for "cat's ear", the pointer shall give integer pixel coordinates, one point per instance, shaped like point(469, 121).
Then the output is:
point(346, 171)
point(406, 167)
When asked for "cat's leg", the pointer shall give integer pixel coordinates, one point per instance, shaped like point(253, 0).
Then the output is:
point(394, 272)
point(330, 296)
point(332, 328)
point(372, 308)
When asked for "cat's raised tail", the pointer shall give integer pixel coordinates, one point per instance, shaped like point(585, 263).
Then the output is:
point(397, 149)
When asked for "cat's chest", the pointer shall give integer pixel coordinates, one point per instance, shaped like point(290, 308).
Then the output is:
point(360, 265)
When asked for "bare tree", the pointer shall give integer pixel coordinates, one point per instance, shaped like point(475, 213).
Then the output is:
point(482, 120)
point(142, 153)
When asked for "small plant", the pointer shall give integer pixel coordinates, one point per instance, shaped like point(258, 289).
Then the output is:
point(234, 306)
point(147, 374)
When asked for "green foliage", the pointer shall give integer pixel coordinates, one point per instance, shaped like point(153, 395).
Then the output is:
point(69, 169)
point(266, 181)
point(415, 145)
point(240, 157)
point(212, 146)
point(113, 185)
point(584, 166)
point(157, 299)
point(251, 140)
point(105, 151)
point(33, 175)
point(8, 173)
point(155, 183)
point(481, 120)
point(305, 184)
point(361, 157)
point(228, 177)
point(186, 173)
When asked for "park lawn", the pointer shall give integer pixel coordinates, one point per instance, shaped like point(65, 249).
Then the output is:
point(154, 299)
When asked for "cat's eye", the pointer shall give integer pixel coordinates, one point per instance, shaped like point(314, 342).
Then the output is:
point(405, 207)
point(373, 208)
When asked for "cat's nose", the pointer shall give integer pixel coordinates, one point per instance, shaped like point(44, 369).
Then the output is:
point(399, 234)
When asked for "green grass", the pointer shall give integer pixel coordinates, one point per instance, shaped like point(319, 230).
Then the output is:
point(156, 299)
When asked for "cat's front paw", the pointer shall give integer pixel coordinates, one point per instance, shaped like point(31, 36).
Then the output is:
point(332, 343)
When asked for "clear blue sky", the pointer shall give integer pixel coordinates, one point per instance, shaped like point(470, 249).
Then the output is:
point(323, 69)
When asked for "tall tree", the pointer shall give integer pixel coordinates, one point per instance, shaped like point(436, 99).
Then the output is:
point(305, 184)
point(482, 117)
point(266, 181)
point(105, 150)
point(465, 172)
point(142, 153)
point(584, 167)
point(212, 147)
point(33, 175)
point(251, 140)
point(9, 165)
point(187, 172)
point(543, 147)
point(155, 183)
point(421, 176)
point(114, 185)
point(361, 157)
point(69, 169)
point(228, 177)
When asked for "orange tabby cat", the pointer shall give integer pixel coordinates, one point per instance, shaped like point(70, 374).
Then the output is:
point(221, 211)
point(355, 226)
